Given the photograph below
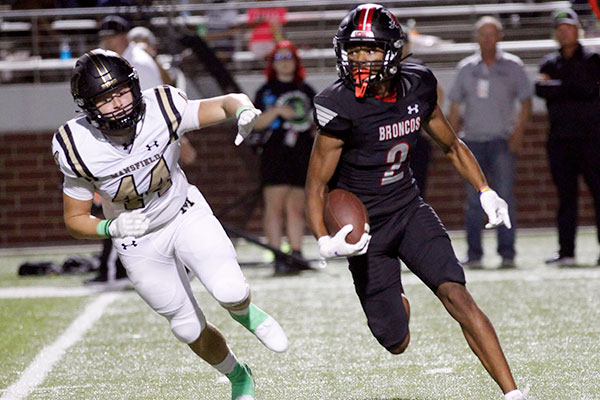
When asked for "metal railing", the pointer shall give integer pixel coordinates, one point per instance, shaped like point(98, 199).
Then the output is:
point(311, 24)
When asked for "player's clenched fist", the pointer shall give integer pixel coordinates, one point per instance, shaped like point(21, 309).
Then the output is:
point(129, 224)
point(336, 246)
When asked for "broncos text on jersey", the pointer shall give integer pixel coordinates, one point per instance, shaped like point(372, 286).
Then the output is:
point(144, 174)
point(378, 135)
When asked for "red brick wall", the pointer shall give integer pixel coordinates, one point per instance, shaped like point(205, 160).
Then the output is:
point(31, 202)
point(534, 190)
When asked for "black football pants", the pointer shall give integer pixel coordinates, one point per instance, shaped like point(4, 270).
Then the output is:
point(570, 158)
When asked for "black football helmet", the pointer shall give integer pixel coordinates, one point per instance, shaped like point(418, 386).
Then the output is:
point(98, 72)
point(370, 24)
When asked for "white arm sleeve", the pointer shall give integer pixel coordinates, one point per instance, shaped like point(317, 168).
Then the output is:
point(189, 120)
point(78, 188)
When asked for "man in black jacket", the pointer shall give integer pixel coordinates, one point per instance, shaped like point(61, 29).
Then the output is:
point(569, 81)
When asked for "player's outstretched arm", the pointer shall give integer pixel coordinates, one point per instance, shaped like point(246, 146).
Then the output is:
point(466, 164)
point(220, 108)
point(238, 105)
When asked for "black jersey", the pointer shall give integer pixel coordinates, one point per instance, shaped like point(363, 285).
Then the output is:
point(378, 136)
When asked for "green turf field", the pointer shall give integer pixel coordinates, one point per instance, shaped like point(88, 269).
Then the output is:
point(547, 318)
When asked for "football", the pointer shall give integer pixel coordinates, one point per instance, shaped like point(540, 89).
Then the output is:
point(342, 208)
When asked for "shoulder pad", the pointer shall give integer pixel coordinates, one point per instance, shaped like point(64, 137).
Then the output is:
point(67, 155)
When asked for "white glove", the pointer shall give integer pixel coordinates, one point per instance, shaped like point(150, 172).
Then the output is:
point(246, 121)
point(495, 208)
point(337, 246)
point(132, 223)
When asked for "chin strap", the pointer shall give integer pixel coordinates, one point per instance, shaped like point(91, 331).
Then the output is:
point(405, 57)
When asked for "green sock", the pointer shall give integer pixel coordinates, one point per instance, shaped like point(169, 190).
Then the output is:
point(252, 319)
point(242, 381)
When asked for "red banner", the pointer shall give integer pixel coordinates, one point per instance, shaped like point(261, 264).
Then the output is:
point(596, 7)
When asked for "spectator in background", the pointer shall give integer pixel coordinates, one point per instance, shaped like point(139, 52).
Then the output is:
point(113, 36)
point(220, 31)
point(145, 39)
point(288, 131)
point(266, 29)
point(568, 80)
point(488, 83)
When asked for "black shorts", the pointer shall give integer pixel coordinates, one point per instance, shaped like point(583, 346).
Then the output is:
point(282, 165)
point(416, 236)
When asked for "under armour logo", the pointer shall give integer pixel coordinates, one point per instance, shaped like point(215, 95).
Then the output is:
point(150, 146)
point(125, 246)
point(413, 109)
point(186, 205)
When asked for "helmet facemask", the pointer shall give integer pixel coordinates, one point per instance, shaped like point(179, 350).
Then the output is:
point(123, 118)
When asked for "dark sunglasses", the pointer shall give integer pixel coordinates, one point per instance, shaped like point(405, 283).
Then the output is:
point(283, 56)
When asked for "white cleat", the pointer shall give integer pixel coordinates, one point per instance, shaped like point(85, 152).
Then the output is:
point(245, 397)
point(271, 334)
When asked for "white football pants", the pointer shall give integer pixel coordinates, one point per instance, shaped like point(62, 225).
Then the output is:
point(196, 239)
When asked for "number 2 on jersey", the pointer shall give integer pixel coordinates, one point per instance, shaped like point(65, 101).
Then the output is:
point(128, 194)
point(395, 156)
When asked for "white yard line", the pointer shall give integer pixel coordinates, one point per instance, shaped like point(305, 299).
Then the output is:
point(336, 268)
point(46, 291)
point(36, 372)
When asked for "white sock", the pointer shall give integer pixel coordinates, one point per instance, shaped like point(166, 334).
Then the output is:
point(228, 364)
point(514, 395)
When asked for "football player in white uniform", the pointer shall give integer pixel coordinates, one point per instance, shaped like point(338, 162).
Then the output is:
point(126, 147)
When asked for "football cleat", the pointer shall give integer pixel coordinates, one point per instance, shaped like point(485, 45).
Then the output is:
point(515, 395)
point(264, 327)
point(271, 334)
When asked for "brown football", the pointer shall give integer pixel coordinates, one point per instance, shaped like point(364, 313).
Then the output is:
point(342, 208)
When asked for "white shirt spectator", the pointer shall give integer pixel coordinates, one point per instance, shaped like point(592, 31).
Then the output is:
point(147, 69)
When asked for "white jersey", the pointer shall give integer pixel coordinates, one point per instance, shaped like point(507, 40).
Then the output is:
point(145, 175)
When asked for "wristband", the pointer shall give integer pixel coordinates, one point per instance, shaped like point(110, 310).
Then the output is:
point(241, 109)
point(102, 228)
point(484, 189)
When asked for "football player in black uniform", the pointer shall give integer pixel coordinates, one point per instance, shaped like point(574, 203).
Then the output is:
point(368, 122)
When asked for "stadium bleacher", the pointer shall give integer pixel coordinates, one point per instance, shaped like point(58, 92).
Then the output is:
point(31, 38)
